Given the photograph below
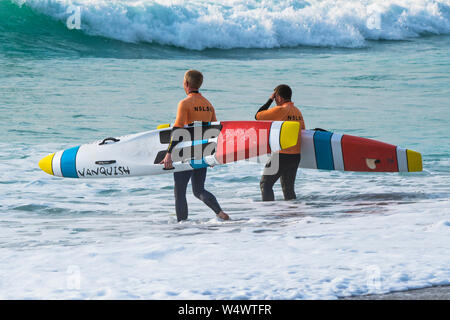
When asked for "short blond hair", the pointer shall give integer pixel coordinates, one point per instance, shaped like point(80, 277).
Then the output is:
point(194, 78)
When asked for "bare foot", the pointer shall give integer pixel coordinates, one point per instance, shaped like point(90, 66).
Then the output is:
point(222, 215)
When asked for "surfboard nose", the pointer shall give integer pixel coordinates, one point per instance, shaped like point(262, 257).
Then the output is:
point(46, 164)
point(289, 134)
point(414, 161)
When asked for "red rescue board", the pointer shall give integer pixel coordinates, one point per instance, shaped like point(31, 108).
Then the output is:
point(361, 153)
point(240, 140)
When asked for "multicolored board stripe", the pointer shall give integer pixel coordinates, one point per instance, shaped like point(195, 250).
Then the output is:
point(61, 163)
point(331, 151)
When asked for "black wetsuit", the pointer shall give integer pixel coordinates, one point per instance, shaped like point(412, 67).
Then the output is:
point(197, 177)
point(287, 171)
point(264, 107)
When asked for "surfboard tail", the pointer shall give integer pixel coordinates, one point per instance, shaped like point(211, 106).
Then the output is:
point(332, 151)
point(414, 161)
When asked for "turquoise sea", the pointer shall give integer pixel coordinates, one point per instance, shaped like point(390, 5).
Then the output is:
point(379, 70)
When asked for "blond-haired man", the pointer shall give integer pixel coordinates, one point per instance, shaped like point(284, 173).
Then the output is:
point(194, 107)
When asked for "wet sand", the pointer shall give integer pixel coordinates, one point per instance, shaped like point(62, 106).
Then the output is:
point(431, 293)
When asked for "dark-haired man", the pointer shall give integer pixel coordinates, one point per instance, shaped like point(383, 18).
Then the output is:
point(286, 161)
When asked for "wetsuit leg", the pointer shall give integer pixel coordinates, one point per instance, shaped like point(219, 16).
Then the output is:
point(290, 164)
point(198, 188)
point(181, 180)
point(269, 178)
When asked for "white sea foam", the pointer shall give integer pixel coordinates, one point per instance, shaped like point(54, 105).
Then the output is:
point(117, 239)
point(197, 24)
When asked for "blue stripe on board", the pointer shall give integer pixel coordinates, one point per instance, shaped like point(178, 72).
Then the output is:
point(198, 164)
point(68, 163)
point(324, 154)
point(197, 142)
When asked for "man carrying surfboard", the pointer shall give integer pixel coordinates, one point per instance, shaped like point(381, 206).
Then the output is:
point(194, 107)
point(285, 161)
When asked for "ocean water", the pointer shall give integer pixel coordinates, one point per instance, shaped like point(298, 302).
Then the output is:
point(72, 72)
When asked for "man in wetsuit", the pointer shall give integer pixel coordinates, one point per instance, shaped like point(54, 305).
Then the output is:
point(286, 161)
point(193, 108)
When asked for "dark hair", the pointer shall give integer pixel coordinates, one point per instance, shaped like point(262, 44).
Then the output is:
point(284, 91)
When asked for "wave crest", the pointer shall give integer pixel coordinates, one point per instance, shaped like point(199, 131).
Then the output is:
point(227, 24)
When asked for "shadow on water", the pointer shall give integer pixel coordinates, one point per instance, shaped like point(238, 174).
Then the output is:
point(372, 197)
point(48, 210)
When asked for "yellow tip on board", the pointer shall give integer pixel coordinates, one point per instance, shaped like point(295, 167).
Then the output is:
point(289, 134)
point(163, 126)
point(46, 164)
point(414, 161)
